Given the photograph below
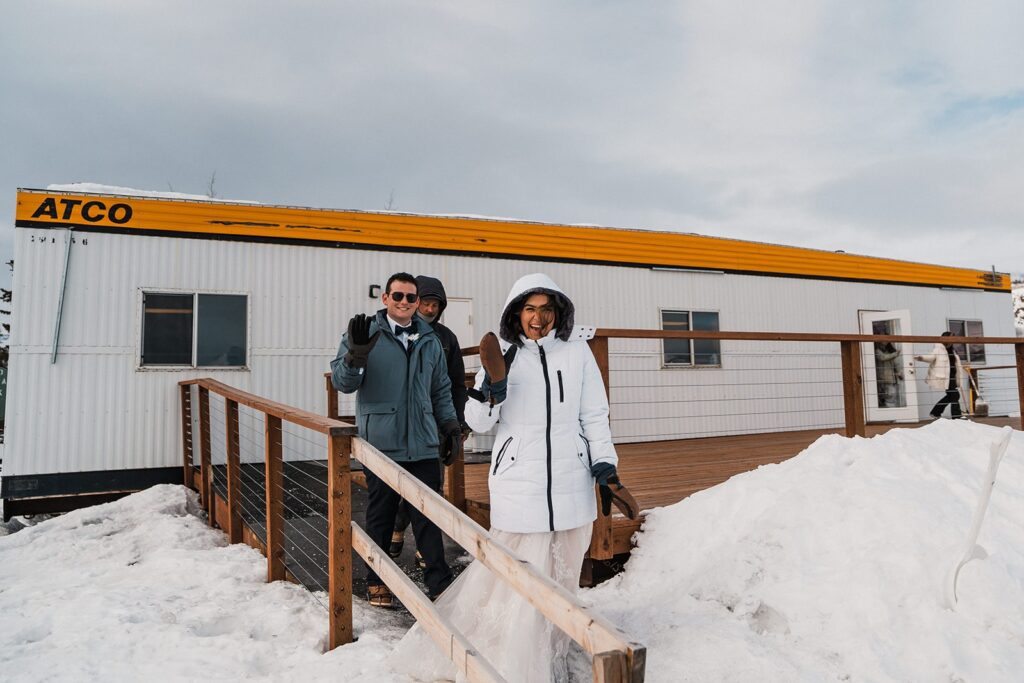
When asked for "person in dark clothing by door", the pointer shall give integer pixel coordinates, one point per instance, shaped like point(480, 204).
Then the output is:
point(432, 302)
point(395, 364)
point(944, 373)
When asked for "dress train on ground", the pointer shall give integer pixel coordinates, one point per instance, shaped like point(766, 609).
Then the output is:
point(513, 636)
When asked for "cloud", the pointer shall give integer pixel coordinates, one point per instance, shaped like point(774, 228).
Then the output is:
point(860, 126)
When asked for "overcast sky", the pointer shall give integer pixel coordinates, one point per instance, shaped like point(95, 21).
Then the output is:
point(894, 129)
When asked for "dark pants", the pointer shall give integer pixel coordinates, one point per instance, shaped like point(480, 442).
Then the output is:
point(951, 399)
point(380, 521)
point(402, 519)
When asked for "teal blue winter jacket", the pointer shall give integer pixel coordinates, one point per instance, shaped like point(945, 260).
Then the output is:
point(401, 397)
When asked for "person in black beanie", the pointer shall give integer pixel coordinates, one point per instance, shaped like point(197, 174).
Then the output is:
point(433, 300)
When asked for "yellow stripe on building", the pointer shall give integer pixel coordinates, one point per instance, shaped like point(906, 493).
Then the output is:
point(477, 236)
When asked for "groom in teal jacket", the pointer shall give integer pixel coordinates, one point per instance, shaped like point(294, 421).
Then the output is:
point(394, 363)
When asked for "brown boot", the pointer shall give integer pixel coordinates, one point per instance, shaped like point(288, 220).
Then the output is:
point(397, 543)
point(380, 596)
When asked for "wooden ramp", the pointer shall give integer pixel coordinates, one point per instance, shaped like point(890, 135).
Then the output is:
point(664, 472)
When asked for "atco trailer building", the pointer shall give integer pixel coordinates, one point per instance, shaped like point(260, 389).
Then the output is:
point(117, 298)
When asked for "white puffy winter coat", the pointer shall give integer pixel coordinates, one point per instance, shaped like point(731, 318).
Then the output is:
point(938, 368)
point(552, 427)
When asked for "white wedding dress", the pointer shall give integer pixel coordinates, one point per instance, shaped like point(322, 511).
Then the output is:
point(503, 627)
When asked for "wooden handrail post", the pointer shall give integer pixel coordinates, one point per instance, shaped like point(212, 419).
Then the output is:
point(339, 538)
point(599, 347)
point(853, 388)
point(1019, 351)
point(332, 399)
point(205, 470)
point(234, 471)
point(610, 667)
point(972, 395)
point(274, 470)
point(601, 534)
point(186, 435)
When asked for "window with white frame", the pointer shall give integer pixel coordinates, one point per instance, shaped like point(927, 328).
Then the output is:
point(194, 330)
point(969, 353)
point(690, 352)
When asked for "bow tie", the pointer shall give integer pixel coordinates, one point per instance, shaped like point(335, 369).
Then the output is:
point(399, 330)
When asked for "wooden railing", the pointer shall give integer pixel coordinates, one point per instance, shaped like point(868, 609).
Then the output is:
point(615, 657)
point(849, 348)
point(337, 450)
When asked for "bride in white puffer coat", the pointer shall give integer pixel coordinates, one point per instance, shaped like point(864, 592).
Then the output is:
point(552, 442)
point(553, 425)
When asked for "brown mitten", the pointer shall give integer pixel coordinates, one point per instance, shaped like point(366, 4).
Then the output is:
point(491, 358)
point(615, 493)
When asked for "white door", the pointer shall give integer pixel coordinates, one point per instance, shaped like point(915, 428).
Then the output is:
point(458, 317)
point(890, 389)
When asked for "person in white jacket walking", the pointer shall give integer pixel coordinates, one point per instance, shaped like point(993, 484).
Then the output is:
point(944, 371)
point(552, 442)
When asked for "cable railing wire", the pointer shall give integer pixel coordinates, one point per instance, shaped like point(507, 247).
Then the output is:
point(315, 513)
point(313, 543)
point(775, 397)
point(745, 414)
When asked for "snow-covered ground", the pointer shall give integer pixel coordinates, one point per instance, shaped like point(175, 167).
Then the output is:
point(142, 590)
point(830, 566)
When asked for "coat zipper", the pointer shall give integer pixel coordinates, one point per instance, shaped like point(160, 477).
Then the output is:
point(561, 391)
point(497, 461)
point(408, 385)
point(547, 434)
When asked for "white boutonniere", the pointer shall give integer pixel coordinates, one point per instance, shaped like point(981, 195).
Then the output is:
point(413, 337)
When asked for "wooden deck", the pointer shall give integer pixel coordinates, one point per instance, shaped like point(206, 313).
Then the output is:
point(664, 472)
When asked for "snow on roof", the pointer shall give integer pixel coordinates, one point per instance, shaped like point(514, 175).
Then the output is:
point(97, 188)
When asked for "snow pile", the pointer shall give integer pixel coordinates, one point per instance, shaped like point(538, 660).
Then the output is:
point(831, 566)
point(141, 589)
point(98, 188)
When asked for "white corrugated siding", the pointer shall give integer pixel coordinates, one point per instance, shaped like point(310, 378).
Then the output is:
point(95, 410)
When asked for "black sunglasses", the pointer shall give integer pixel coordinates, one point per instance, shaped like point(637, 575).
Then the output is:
point(398, 296)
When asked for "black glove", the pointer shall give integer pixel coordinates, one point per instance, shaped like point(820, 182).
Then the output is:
point(360, 343)
point(451, 441)
point(604, 473)
point(496, 391)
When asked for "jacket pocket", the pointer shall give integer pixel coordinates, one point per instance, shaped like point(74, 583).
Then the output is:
point(380, 425)
point(583, 452)
point(561, 388)
point(505, 457)
point(428, 428)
